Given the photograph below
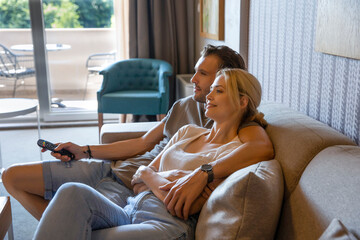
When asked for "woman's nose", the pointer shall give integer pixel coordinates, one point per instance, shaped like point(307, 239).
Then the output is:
point(209, 96)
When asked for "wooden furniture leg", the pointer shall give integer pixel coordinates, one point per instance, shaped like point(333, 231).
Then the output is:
point(6, 218)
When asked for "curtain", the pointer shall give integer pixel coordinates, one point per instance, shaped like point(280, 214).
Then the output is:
point(121, 12)
point(163, 29)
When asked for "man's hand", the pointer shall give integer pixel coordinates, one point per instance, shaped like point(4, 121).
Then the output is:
point(78, 151)
point(183, 193)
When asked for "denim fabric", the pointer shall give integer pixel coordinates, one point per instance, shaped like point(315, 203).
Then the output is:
point(96, 174)
point(88, 172)
point(77, 209)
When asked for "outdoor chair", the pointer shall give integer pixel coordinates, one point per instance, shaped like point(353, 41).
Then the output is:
point(97, 62)
point(15, 67)
point(135, 86)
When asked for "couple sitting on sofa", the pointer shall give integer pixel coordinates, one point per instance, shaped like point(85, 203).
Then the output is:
point(185, 181)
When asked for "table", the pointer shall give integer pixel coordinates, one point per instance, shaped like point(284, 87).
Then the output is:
point(12, 107)
point(5, 218)
point(51, 47)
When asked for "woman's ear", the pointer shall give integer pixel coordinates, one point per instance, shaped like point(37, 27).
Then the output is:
point(244, 101)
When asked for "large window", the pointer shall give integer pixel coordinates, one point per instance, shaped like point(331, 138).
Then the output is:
point(59, 13)
point(73, 31)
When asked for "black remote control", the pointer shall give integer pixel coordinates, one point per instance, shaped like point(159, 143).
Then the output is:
point(50, 146)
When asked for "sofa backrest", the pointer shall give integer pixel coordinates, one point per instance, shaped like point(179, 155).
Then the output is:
point(297, 139)
point(328, 189)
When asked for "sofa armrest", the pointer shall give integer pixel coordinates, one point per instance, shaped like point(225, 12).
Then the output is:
point(122, 131)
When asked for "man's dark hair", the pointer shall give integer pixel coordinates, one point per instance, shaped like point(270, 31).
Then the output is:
point(229, 58)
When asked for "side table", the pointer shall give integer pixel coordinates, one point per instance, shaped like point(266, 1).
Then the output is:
point(12, 107)
point(6, 218)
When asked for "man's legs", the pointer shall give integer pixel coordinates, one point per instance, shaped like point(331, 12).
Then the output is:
point(25, 183)
point(33, 184)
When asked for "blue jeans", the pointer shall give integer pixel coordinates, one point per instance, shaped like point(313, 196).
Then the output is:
point(109, 191)
point(94, 173)
point(77, 210)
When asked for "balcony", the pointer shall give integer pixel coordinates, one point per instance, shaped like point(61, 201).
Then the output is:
point(67, 70)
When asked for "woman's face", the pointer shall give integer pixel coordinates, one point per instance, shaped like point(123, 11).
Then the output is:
point(219, 104)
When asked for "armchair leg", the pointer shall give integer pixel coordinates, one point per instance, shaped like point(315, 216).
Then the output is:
point(100, 121)
point(123, 118)
point(159, 117)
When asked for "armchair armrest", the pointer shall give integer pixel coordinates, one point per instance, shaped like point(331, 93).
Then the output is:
point(122, 131)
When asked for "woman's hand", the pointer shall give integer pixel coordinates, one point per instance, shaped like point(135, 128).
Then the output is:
point(140, 187)
point(184, 192)
point(78, 151)
point(142, 170)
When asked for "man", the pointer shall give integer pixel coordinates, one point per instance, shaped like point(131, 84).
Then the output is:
point(34, 184)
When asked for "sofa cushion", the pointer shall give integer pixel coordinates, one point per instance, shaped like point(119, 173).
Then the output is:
point(337, 231)
point(297, 139)
point(244, 206)
point(328, 189)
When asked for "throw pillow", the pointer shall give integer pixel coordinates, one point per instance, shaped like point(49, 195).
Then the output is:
point(246, 205)
point(337, 230)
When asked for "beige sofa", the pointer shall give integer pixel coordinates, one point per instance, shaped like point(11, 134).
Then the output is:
point(320, 192)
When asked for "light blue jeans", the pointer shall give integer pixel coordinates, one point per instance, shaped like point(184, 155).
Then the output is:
point(90, 203)
point(77, 210)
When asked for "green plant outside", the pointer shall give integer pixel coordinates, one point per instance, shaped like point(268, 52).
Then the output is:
point(59, 13)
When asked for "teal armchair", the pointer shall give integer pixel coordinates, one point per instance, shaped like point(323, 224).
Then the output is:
point(135, 86)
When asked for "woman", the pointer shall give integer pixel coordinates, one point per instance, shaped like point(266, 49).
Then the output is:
point(77, 209)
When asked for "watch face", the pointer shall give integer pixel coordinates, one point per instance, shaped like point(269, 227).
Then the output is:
point(206, 167)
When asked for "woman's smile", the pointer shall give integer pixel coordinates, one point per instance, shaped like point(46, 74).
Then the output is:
point(210, 105)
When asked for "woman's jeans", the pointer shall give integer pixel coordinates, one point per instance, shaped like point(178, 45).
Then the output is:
point(78, 211)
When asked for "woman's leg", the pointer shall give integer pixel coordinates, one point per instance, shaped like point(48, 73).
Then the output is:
point(75, 211)
point(150, 220)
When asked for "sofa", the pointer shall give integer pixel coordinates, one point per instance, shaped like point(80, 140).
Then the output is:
point(310, 190)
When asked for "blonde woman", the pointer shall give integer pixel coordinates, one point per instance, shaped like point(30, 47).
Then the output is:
point(77, 210)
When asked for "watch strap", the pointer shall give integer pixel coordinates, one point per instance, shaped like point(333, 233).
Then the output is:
point(208, 169)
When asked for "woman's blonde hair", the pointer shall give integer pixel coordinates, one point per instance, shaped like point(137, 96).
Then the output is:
point(241, 83)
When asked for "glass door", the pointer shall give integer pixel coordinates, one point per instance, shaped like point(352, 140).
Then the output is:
point(17, 70)
point(79, 41)
point(70, 41)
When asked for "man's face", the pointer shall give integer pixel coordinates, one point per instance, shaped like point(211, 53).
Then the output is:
point(205, 72)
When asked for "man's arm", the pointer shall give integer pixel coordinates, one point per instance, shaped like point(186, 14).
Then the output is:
point(256, 147)
point(117, 150)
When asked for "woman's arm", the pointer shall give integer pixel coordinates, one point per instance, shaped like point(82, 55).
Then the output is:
point(153, 180)
point(257, 147)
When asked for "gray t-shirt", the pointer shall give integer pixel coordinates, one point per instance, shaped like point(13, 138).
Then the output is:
point(184, 111)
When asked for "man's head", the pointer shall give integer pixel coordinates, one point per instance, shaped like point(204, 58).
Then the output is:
point(212, 59)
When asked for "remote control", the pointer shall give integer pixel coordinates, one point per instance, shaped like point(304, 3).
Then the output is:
point(50, 146)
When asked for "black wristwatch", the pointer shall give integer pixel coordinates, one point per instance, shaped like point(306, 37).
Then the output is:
point(209, 170)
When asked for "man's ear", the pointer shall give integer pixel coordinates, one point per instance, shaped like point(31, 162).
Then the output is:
point(244, 101)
